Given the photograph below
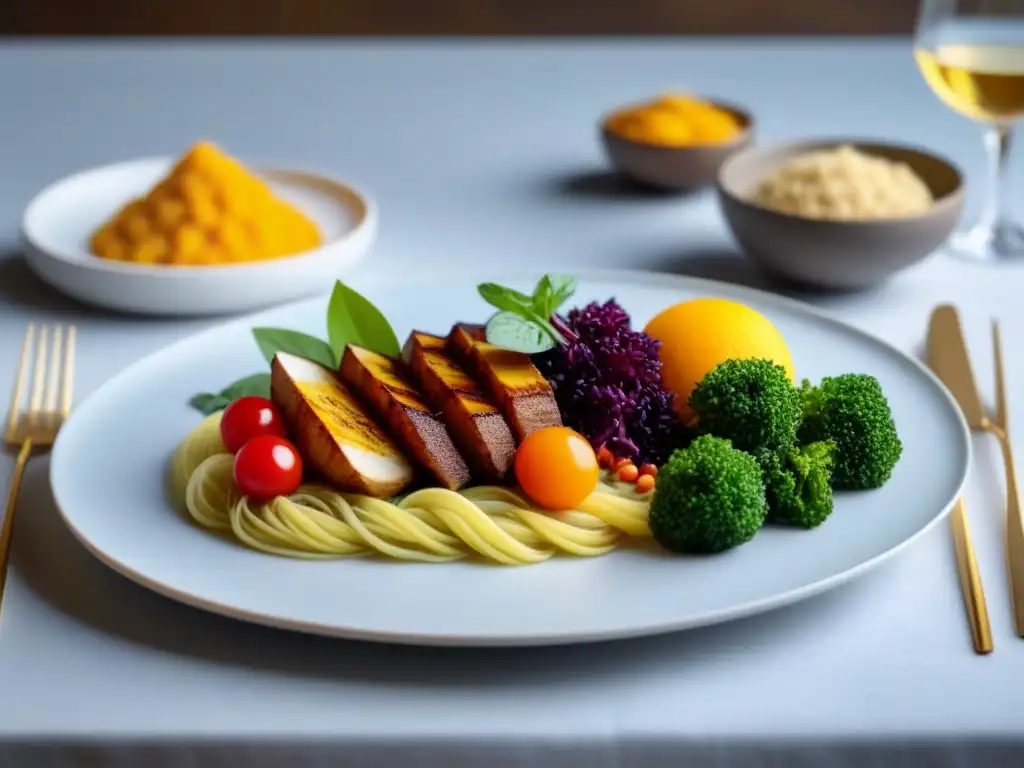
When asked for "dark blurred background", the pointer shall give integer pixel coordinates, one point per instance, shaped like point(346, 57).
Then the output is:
point(457, 17)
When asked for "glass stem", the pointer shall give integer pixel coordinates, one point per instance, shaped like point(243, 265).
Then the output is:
point(998, 139)
point(995, 234)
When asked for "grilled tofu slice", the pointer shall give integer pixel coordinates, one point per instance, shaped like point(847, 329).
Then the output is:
point(333, 431)
point(477, 427)
point(509, 378)
point(387, 387)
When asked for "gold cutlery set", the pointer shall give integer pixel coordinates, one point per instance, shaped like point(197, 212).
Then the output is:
point(43, 389)
point(949, 359)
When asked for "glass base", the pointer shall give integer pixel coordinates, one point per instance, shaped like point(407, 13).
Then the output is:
point(986, 242)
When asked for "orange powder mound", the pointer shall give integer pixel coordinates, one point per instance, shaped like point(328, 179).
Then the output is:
point(209, 210)
point(674, 121)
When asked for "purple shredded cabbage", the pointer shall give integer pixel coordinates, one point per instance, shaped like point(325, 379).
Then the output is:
point(607, 383)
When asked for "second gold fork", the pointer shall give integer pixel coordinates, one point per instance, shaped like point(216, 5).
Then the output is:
point(1000, 427)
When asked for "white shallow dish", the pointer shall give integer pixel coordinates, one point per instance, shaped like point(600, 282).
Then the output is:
point(108, 470)
point(60, 220)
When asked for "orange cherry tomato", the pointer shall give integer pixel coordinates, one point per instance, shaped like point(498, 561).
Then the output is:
point(620, 463)
point(649, 469)
point(556, 468)
point(645, 484)
point(629, 473)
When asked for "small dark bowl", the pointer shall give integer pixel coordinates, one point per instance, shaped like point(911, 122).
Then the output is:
point(837, 255)
point(676, 168)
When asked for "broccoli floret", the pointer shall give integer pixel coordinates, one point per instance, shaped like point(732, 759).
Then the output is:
point(798, 484)
point(750, 402)
point(709, 497)
point(852, 411)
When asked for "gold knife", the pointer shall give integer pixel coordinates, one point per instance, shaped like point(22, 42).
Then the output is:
point(947, 356)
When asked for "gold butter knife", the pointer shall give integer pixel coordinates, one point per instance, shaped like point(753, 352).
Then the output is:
point(947, 356)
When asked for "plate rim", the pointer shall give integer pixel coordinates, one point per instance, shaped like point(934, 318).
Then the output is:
point(535, 639)
point(367, 219)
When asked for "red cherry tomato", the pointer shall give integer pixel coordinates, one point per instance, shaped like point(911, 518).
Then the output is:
point(267, 466)
point(249, 417)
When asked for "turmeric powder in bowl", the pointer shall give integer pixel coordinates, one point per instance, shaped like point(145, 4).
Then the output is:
point(209, 210)
point(674, 120)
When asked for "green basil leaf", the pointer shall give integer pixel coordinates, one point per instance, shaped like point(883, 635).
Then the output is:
point(512, 331)
point(554, 333)
point(530, 315)
point(562, 287)
point(353, 319)
point(207, 403)
point(551, 293)
point(506, 299)
point(274, 340)
point(256, 385)
point(542, 296)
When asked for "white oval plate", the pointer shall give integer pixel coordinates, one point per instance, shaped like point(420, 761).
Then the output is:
point(109, 463)
point(59, 221)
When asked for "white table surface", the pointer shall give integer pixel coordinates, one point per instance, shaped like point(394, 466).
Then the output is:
point(487, 151)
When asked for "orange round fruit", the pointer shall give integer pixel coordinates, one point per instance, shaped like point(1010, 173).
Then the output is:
point(698, 335)
point(556, 468)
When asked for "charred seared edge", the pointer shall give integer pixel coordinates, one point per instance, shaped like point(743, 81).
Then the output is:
point(476, 426)
point(333, 432)
point(387, 387)
point(509, 378)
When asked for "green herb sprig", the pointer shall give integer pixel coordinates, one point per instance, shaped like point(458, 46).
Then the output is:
point(257, 384)
point(528, 324)
point(351, 319)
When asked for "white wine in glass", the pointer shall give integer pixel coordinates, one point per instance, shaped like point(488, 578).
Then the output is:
point(971, 53)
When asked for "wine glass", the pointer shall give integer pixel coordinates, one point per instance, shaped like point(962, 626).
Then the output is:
point(971, 54)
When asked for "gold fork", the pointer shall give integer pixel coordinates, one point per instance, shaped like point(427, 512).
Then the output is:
point(999, 426)
point(35, 423)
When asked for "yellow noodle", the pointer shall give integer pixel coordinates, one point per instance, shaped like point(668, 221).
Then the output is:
point(203, 442)
point(210, 493)
point(430, 525)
